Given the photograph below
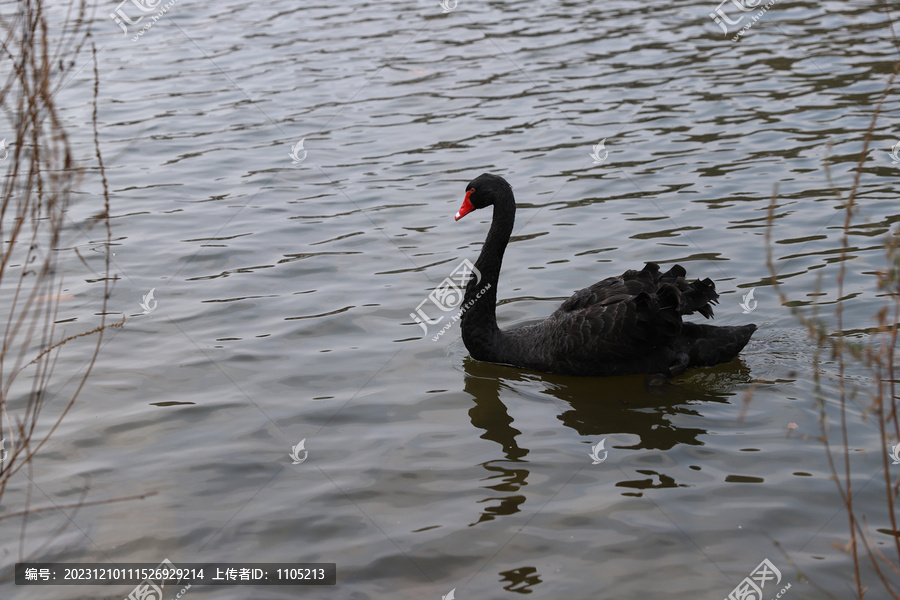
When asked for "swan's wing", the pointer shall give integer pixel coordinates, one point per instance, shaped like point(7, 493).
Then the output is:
point(642, 334)
point(626, 324)
point(696, 296)
point(616, 332)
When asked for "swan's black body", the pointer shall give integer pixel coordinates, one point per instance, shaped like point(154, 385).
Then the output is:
point(622, 325)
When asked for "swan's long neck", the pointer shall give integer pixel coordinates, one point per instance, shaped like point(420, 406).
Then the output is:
point(480, 333)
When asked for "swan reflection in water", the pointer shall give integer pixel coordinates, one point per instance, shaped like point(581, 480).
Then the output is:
point(594, 408)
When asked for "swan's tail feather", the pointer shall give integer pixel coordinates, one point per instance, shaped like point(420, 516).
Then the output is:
point(708, 345)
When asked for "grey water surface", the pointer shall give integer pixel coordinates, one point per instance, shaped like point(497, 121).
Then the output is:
point(284, 295)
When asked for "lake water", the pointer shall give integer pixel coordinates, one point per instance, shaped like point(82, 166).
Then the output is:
point(284, 294)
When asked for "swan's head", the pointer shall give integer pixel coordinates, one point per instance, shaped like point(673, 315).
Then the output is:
point(483, 191)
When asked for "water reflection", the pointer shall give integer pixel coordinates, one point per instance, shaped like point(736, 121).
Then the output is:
point(520, 580)
point(490, 414)
point(594, 407)
point(633, 405)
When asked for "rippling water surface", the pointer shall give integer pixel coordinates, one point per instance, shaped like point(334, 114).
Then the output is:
point(285, 290)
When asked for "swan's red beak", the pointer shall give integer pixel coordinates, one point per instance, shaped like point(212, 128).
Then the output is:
point(466, 207)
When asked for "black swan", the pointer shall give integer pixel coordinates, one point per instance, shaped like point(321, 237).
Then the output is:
point(619, 326)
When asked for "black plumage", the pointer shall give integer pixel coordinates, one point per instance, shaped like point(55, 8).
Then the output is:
point(622, 325)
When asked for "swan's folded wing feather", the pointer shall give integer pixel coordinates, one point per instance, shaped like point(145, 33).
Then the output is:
point(620, 330)
point(696, 296)
point(614, 289)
